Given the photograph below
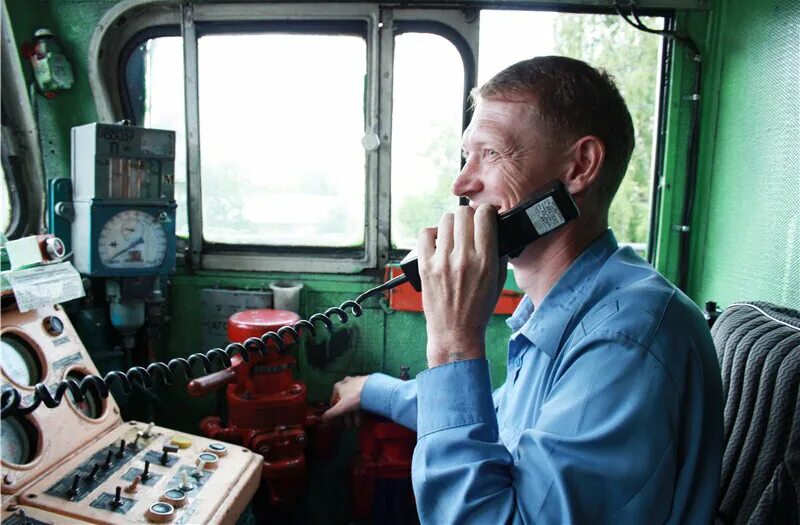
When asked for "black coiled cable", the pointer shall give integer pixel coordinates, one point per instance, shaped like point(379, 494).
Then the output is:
point(212, 361)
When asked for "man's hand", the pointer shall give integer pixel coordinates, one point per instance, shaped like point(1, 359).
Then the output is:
point(346, 400)
point(461, 282)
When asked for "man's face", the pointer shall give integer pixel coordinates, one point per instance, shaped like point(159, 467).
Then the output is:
point(507, 156)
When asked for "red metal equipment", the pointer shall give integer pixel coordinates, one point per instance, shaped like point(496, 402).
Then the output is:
point(267, 410)
point(381, 473)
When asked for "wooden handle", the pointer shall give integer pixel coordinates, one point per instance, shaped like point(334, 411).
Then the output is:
point(204, 385)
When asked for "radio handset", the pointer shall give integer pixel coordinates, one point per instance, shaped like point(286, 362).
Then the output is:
point(548, 210)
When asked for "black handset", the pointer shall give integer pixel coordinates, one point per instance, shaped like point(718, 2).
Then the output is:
point(549, 209)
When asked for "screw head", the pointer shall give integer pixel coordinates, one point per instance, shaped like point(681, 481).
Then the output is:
point(8, 479)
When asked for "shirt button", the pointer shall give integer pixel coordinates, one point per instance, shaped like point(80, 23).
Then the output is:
point(518, 362)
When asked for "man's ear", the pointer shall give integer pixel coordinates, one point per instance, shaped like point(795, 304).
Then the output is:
point(584, 161)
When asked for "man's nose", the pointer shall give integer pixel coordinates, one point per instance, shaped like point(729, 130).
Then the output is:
point(467, 183)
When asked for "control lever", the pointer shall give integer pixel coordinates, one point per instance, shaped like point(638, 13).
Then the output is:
point(75, 489)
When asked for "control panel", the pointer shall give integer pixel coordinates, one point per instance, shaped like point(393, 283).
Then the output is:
point(79, 462)
point(142, 473)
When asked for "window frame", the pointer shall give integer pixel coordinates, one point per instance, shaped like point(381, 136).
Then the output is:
point(459, 24)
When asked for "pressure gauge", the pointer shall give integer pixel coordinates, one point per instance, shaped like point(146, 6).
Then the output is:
point(17, 440)
point(132, 239)
point(20, 362)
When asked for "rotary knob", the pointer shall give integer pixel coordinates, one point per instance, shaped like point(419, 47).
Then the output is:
point(175, 497)
point(160, 512)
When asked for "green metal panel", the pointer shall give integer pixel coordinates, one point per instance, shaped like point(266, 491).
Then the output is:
point(676, 142)
point(748, 220)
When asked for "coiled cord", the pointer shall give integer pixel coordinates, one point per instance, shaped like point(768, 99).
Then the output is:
point(211, 361)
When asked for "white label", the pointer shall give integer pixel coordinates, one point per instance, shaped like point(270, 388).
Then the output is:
point(545, 216)
point(45, 285)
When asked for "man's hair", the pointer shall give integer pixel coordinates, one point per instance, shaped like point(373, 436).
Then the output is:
point(571, 99)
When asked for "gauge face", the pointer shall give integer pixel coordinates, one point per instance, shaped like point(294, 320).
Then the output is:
point(17, 444)
point(19, 360)
point(91, 406)
point(132, 239)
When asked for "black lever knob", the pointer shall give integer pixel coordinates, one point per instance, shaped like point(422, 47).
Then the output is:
point(135, 444)
point(121, 451)
point(167, 449)
point(118, 498)
point(146, 472)
point(107, 462)
point(93, 473)
point(75, 489)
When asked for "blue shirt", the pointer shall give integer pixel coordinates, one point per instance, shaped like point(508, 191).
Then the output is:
point(611, 411)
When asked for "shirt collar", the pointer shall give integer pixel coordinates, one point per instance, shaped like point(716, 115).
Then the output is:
point(544, 326)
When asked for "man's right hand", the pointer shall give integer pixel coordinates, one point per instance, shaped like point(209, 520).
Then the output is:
point(346, 400)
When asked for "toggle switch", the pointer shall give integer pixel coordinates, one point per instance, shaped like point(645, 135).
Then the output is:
point(198, 472)
point(117, 501)
point(175, 497)
point(93, 473)
point(134, 486)
point(185, 485)
point(147, 433)
point(146, 471)
point(167, 449)
point(121, 451)
point(135, 444)
point(75, 489)
point(107, 462)
point(160, 512)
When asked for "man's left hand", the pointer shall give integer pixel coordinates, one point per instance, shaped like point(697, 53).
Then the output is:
point(461, 282)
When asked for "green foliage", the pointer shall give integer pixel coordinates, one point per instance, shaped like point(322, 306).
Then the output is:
point(631, 57)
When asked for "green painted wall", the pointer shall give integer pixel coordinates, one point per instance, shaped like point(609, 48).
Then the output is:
point(74, 24)
point(747, 213)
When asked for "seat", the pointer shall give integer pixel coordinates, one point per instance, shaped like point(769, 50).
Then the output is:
point(758, 346)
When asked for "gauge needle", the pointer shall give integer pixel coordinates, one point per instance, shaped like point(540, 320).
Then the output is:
point(137, 242)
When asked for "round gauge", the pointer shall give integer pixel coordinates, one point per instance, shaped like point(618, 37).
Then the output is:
point(20, 362)
point(92, 405)
point(132, 239)
point(18, 440)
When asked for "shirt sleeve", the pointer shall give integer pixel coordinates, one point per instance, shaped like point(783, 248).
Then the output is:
point(391, 398)
point(602, 447)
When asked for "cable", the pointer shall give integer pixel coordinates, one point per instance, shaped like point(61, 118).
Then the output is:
point(694, 137)
point(211, 361)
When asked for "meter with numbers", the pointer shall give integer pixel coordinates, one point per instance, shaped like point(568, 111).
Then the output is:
point(123, 184)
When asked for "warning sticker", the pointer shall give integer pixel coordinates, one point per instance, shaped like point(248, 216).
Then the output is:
point(45, 285)
point(545, 215)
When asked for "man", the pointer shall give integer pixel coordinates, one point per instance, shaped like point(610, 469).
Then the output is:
point(612, 407)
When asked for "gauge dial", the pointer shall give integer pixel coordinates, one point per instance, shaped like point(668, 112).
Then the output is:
point(19, 361)
point(92, 405)
point(17, 443)
point(132, 239)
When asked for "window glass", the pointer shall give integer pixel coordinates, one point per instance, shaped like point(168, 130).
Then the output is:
point(164, 109)
point(5, 202)
point(281, 122)
point(426, 133)
point(629, 55)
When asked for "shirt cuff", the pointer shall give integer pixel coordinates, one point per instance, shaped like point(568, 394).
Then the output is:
point(454, 395)
point(376, 396)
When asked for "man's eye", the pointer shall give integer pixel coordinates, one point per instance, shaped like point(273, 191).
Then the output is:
point(491, 153)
